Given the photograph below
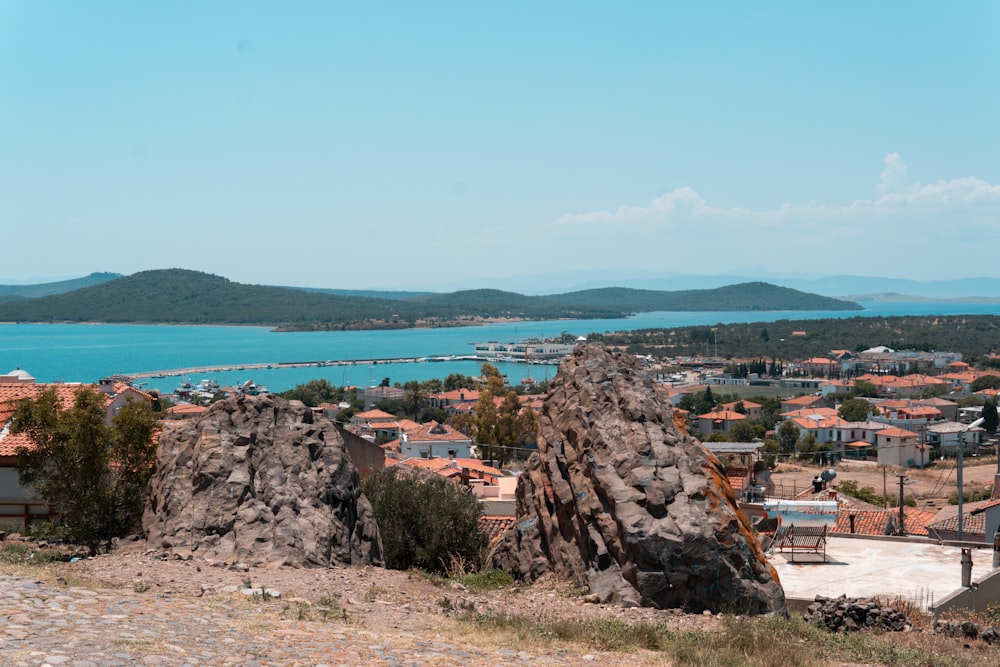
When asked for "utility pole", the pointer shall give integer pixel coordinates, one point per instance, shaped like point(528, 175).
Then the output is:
point(885, 494)
point(902, 516)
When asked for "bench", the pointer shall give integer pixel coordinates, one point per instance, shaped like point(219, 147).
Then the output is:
point(793, 539)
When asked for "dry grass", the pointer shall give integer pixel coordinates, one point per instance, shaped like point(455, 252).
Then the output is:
point(742, 642)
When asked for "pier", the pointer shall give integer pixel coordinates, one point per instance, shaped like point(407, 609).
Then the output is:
point(201, 370)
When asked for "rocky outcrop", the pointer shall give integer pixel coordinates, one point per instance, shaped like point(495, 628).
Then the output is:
point(620, 501)
point(256, 480)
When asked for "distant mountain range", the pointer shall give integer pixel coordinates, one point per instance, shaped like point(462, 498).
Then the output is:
point(190, 297)
point(15, 292)
point(855, 288)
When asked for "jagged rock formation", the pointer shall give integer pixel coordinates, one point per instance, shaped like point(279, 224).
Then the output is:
point(256, 480)
point(620, 501)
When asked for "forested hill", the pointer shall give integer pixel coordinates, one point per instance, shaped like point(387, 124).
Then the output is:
point(742, 297)
point(191, 297)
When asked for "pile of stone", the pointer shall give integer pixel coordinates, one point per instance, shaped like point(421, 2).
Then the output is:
point(260, 481)
point(622, 503)
point(844, 614)
point(967, 630)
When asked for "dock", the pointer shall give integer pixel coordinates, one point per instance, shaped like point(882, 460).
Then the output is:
point(201, 370)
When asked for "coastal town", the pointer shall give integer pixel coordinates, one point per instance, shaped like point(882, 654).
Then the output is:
point(921, 412)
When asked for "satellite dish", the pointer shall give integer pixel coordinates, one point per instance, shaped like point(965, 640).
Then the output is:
point(828, 474)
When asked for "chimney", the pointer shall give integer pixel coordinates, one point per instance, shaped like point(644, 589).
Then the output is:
point(850, 517)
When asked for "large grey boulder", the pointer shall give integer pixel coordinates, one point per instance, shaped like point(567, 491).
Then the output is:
point(621, 501)
point(258, 480)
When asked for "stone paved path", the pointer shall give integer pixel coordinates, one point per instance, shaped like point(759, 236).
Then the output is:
point(49, 624)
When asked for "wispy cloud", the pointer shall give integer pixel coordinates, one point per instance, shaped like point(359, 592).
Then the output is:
point(893, 195)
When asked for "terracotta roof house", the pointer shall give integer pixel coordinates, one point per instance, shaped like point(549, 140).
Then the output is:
point(375, 425)
point(460, 469)
point(825, 429)
point(975, 517)
point(434, 439)
point(446, 400)
point(819, 366)
point(948, 409)
point(875, 522)
point(802, 402)
point(751, 409)
point(186, 411)
point(899, 447)
point(21, 503)
point(948, 436)
point(722, 420)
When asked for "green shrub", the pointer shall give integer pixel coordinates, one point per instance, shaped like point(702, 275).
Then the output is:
point(425, 522)
point(972, 495)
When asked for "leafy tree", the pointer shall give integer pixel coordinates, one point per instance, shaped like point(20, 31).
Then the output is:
point(985, 382)
point(770, 408)
point(933, 391)
point(747, 430)
point(94, 473)
point(501, 430)
point(427, 523)
point(788, 436)
point(314, 392)
point(856, 410)
point(865, 389)
point(455, 381)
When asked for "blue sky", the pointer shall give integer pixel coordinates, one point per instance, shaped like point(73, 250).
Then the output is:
point(436, 145)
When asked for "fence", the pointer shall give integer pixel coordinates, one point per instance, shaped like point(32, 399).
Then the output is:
point(25, 511)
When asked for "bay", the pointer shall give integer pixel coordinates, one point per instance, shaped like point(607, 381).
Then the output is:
point(87, 352)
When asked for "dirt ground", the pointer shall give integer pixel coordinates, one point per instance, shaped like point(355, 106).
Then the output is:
point(930, 486)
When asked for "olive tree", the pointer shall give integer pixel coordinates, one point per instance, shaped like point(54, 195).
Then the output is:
point(95, 473)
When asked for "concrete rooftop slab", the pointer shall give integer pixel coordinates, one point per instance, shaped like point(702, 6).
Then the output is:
point(921, 572)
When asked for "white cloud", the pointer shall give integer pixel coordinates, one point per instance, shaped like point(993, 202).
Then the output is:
point(894, 174)
point(895, 198)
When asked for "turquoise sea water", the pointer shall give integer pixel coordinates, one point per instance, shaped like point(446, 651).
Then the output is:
point(87, 352)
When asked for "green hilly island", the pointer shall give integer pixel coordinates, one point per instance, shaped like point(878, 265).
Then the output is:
point(180, 296)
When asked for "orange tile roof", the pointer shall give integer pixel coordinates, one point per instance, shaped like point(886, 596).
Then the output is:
point(375, 415)
point(433, 431)
point(724, 415)
point(122, 387)
point(809, 423)
point(495, 526)
point(973, 519)
point(809, 412)
point(457, 395)
point(876, 522)
point(11, 394)
point(802, 400)
point(448, 467)
point(186, 409)
point(749, 405)
point(896, 432)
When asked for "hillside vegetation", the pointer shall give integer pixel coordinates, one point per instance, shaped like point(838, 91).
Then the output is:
point(972, 335)
point(190, 297)
point(742, 297)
